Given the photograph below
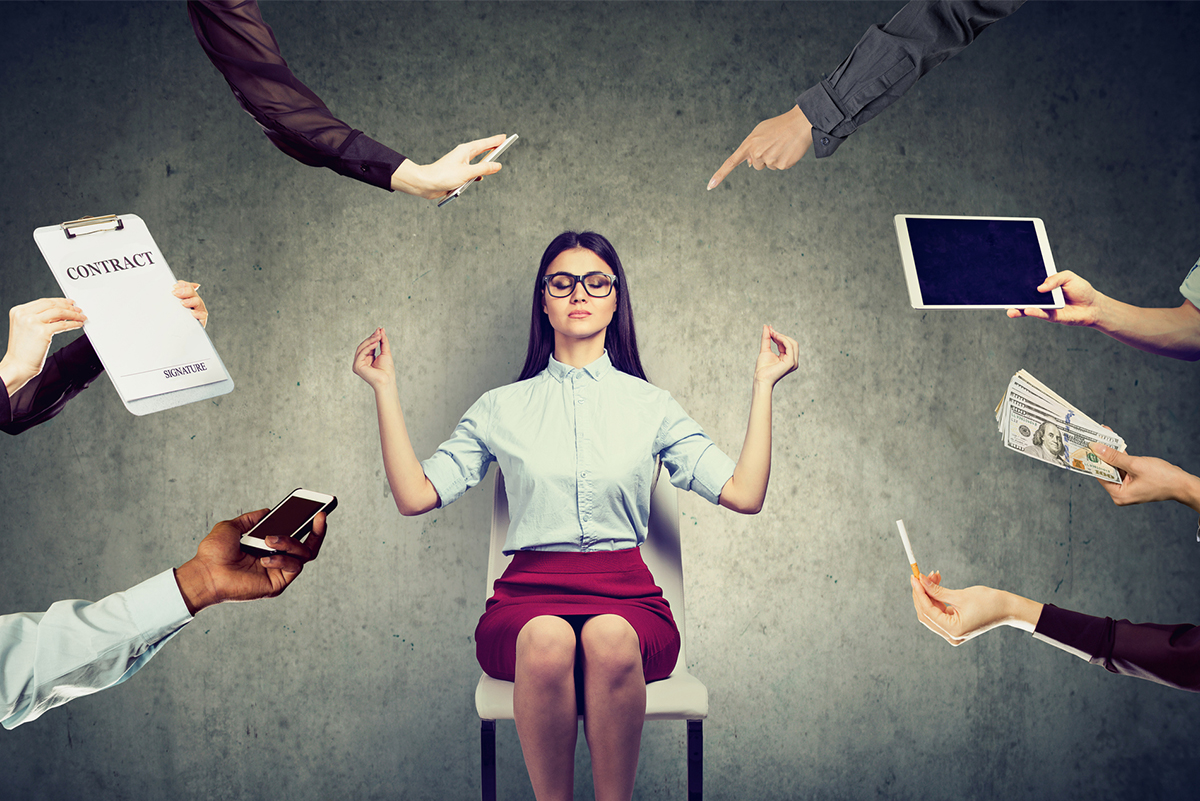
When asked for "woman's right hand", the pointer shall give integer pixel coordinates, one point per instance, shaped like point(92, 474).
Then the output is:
point(31, 326)
point(376, 369)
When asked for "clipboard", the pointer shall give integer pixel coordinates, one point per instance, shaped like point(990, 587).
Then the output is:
point(155, 353)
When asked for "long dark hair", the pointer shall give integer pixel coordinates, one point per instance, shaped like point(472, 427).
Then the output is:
point(620, 340)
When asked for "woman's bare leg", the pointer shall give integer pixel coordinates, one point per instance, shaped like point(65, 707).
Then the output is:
point(544, 705)
point(615, 703)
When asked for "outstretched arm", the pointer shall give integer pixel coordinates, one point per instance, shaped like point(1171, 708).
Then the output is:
point(413, 492)
point(244, 49)
point(747, 489)
point(885, 64)
point(1167, 654)
point(77, 648)
point(37, 386)
point(1173, 332)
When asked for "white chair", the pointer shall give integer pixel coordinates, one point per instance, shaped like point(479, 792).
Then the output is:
point(680, 696)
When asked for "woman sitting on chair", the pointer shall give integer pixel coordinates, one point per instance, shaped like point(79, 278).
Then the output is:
point(577, 438)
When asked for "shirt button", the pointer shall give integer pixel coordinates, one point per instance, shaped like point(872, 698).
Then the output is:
point(363, 168)
point(824, 140)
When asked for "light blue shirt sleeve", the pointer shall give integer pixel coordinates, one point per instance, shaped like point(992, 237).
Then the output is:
point(693, 460)
point(76, 648)
point(1191, 285)
point(462, 461)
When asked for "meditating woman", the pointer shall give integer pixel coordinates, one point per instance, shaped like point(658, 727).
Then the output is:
point(578, 437)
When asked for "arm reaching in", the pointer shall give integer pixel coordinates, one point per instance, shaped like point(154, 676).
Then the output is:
point(244, 50)
point(37, 386)
point(959, 615)
point(1147, 479)
point(887, 61)
point(776, 144)
point(1173, 332)
point(76, 648)
point(1167, 654)
point(413, 492)
point(747, 489)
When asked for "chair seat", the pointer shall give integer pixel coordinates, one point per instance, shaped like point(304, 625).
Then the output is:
point(680, 696)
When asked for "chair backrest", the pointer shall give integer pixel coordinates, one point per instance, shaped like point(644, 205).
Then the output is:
point(660, 552)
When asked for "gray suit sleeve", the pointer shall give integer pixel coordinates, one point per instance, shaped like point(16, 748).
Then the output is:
point(888, 60)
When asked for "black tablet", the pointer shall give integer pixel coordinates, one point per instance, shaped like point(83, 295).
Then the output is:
point(976, 262)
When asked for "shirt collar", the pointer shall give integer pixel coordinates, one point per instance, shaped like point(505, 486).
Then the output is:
point(559, 371)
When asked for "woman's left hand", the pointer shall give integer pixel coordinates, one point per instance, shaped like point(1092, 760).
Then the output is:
point(186, 292)
point(772, 366)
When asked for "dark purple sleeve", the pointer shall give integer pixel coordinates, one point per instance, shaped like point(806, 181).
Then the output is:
point(244, 49)
point(1166, 654)
point(888, 60)
point(67, 372)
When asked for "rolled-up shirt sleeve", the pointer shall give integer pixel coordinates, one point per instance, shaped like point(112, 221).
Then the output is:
point(1166, 654)
point(1190, 288)
point(77, 648)
point(888, 60)
point(462, 461)
point(243, 48)
point(67, 372)
point(693, 460)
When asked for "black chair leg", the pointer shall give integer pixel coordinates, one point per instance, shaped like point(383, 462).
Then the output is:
point(487, 758)
point(695, 759)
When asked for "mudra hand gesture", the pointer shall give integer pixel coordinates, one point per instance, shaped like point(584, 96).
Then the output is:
point(772, 366)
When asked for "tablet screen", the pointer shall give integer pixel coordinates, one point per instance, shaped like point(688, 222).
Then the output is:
point(964, 262)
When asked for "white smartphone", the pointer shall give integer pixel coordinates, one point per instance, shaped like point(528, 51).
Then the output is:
point(291, 517)
point(491, 156)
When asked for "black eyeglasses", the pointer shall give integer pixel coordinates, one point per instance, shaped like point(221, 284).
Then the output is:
point(598, 285)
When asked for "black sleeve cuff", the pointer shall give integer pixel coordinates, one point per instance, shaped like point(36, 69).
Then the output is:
point(366, 160)
point(1085, 636)
point(78, 362)
point(821, 110)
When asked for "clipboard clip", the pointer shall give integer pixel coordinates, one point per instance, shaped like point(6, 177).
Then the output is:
point(91, 225)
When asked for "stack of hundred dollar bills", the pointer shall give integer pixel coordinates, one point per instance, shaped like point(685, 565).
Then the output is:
point(1036, 422)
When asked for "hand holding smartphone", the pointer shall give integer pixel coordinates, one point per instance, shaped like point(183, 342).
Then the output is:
point(492, 156)
point(291, 517)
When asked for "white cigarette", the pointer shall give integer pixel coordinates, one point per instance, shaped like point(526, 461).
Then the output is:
point(912, 560)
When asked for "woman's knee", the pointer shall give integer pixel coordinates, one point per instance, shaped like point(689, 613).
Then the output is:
point(546, 649)
point(611, 645)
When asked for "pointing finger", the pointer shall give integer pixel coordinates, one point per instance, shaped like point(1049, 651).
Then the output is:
point(738, 156)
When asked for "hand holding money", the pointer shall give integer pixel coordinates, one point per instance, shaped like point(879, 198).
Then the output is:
point(1147, 479)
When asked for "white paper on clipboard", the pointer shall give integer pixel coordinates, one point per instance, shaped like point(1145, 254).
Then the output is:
point(156, 354)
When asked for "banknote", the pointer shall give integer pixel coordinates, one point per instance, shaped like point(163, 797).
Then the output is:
point(1038, 422)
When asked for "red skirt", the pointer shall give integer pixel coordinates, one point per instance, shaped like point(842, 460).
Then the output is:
point(576, 586)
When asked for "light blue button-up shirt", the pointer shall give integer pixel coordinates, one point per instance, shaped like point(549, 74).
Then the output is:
point(77, 648)
point(578, 447)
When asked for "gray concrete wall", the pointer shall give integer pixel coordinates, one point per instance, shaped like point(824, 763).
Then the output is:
point(358, 682)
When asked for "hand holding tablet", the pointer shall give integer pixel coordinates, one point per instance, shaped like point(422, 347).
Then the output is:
point(976, 262)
